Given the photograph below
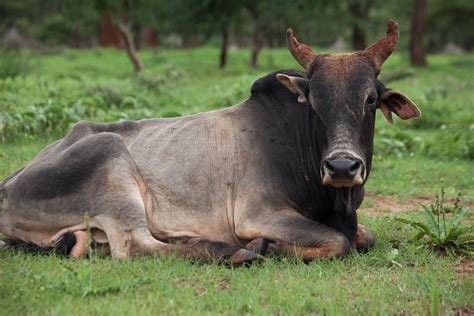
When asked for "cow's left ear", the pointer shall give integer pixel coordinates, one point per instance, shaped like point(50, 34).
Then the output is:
point(398, 103)
point(297, 85)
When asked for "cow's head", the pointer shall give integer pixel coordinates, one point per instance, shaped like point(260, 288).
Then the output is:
point(344, 92)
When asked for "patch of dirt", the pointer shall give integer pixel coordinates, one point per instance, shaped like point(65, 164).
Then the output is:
point(468, 310)
point(465, 268)
point(223, 283)
point(389, 205)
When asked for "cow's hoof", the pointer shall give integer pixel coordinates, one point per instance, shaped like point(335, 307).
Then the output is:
point(365, 239)
point(3, 245)
point(80, 247)
point(244, 257)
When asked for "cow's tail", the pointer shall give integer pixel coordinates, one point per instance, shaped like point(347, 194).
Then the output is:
point(62, 247)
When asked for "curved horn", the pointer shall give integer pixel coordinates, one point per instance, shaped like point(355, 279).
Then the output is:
point(380, 51)
point(302, 53)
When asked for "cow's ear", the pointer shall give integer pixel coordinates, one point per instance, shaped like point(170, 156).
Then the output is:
point(398, 103)
point(297, 85)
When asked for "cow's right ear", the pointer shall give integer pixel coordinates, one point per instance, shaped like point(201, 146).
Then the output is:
point(297, 85)
point(398, 103)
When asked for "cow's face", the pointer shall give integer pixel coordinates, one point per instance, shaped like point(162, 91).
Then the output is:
point(344, 92)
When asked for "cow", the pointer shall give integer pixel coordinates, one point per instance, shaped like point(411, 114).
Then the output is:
point(282, 172)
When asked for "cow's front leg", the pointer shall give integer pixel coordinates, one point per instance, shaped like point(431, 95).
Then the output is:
point(199, 249)
point(292, 234)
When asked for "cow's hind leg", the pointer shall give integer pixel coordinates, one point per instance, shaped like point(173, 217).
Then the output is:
point(123, 211)
point(92, 183)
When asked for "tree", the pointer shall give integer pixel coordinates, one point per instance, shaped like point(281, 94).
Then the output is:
point(219, 16)
point(417, 54)
point(264, 15)
point(359, 9)
point(121, 15)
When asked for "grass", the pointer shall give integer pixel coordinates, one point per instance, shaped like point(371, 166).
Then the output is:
point(361, 284)
point(51, 92)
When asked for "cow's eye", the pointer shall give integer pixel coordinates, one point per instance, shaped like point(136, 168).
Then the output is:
point(371, 102)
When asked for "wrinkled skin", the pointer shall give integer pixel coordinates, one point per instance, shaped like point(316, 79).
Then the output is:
point(222, 185)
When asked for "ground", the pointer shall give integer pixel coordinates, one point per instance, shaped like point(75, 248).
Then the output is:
point(52, 91)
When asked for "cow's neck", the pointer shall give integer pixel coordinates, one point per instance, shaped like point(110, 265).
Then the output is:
point(304, 161)
point(334, 207)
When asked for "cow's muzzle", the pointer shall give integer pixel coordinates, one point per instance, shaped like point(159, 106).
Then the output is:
point(342, 172)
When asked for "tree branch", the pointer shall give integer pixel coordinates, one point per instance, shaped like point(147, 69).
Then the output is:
point(130, 47)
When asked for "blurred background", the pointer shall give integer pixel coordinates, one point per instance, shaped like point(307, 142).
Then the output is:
point(427, 25)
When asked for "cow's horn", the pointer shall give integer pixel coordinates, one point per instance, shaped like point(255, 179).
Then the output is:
point(380, 51)
point(302, 53)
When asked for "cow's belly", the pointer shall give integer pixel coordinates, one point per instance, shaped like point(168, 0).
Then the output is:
point(190, 200)
point(193, 171)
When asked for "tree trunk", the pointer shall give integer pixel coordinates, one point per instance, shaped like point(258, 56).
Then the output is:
point(418, 18)
point(257, 46)
point(77, 35)
point(130, 47)
point(224, 47)
point(257, 41)
point(109, 36)
point(359, 41)
point(360, 12)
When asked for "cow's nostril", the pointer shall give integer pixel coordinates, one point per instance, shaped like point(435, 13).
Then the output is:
point(354, 168)
point(330, 168)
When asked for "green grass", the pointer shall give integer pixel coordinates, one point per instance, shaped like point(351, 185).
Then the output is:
point(386, 280)
point(54, 91)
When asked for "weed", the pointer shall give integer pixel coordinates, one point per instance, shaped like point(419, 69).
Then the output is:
point(443, 226)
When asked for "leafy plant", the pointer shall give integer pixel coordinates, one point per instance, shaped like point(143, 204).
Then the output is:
point(443, 226)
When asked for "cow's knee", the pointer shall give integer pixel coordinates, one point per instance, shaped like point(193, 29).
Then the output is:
point(144, 243)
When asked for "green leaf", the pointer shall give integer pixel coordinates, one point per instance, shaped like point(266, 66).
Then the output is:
point(431, 220)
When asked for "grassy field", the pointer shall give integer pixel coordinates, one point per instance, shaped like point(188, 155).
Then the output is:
point(52, 91)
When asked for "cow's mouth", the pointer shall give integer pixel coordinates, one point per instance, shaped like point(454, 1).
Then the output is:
point(341, 173)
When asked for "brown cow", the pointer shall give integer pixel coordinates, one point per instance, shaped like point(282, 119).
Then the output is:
point(283, 170)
